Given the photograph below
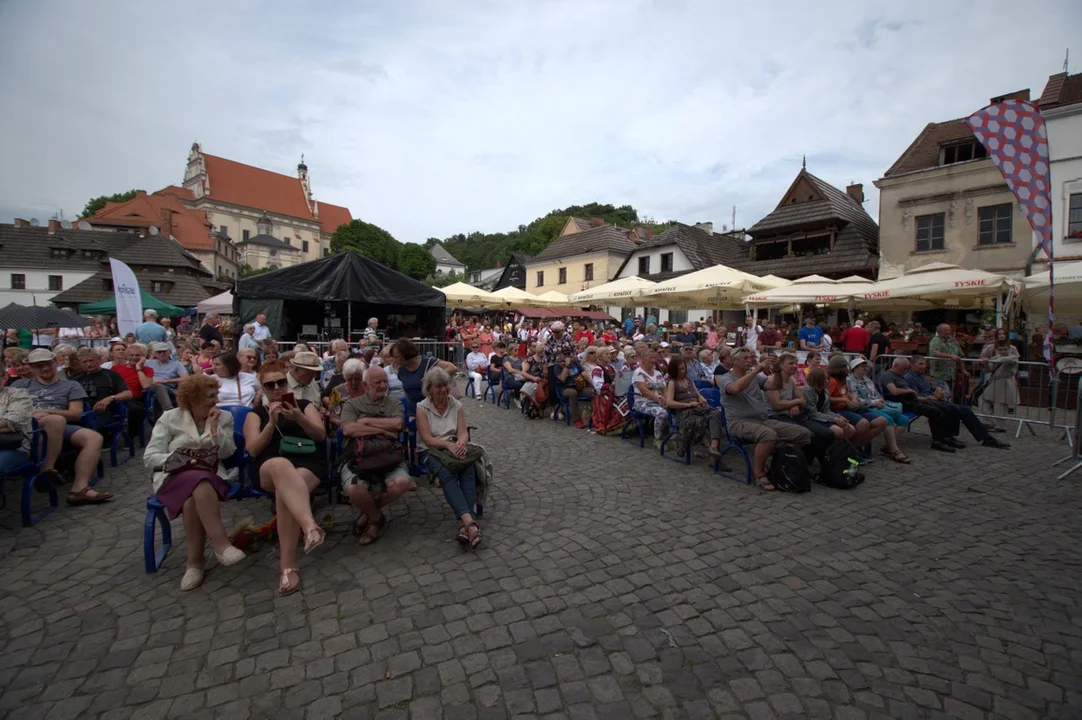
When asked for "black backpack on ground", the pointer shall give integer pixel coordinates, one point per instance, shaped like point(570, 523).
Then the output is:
point(789, 469)
point(839, 466)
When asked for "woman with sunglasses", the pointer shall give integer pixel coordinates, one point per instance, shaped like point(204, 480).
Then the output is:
point(274, 434)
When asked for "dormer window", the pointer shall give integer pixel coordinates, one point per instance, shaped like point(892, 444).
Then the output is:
point(961, 152)
point(60, 253)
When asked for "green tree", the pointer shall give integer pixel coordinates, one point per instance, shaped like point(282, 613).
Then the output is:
point(368, 240)
point(95, 204)
point(247, 270)
point(439, 281)
point(416, 261)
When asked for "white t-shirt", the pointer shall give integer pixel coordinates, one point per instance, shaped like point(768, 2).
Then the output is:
point(827, 343)
point(752, 337)
point(655, 382)
point(228, 387)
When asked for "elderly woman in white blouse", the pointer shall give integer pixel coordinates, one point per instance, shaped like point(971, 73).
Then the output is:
point(195, 424)
point(441, 426)
point(235, 387)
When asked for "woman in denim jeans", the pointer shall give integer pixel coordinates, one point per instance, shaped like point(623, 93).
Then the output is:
point(441, 424)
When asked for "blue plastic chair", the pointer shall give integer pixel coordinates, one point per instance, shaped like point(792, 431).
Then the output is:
point(703, 384)
point(409, 425)
point(156, 517)
point(673, 431)
point(116, 430)
point(637, 418)
point(503, 398)
point(563, 407)
point(712, 396)
point(490, 392)
point(737, 445)
point(29, 471)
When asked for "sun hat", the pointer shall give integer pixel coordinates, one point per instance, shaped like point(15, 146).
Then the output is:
point(857, 362)
point(307, 360)
point(40, 355)
point(159, 346)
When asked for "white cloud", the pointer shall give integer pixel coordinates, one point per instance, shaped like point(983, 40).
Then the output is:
point(432, 118)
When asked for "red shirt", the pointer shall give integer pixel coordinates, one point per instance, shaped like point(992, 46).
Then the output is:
point(769, 338)
point(588, 334)
point(131, 378)
point(856, 340)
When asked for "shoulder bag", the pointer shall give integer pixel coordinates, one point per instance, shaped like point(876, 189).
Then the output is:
point(294, 444)
point(455, 464)
point(192, 458)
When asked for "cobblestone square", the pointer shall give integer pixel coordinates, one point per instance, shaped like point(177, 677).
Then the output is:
point(611, 584)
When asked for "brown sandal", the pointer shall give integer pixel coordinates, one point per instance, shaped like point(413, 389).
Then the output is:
point(899, 457)
point(764, 484)
point(368, 537)
point(285, 587)
point(83, 497)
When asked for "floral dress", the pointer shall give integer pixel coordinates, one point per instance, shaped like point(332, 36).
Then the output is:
point(655, 383)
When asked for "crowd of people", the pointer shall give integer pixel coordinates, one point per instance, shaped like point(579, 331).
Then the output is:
point(188, 388)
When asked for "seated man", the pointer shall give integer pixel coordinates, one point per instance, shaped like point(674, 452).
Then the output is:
point(58, 408)
point(167, 374)
point(929, 391)
point(373, 415)
point(139, 379)
point(896, 388)
point(747, 411)
point(103, 388)
point(694, 368)
point(303, 376)
point(709, 363)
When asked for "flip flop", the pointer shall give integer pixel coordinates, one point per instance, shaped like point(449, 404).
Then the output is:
point(284, 585)
point(82, 497)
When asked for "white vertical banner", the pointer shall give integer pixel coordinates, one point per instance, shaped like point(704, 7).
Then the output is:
point(129, 302)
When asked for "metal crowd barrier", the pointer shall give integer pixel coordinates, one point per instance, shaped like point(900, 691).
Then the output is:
point(1031, 395)
point(439, 349)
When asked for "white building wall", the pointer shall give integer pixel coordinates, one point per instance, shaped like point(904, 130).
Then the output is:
point(37, 284)
point(445, 269)
point(1065, 151)
point(680, 263)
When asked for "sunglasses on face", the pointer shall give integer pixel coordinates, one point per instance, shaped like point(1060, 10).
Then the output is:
point(276, 384)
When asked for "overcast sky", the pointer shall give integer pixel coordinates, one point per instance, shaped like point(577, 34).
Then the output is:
point(430, 117)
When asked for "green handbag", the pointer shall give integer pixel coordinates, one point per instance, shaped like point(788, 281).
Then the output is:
point(293, 445)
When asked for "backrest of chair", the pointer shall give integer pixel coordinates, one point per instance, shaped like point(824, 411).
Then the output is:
point(239, 413)
point(703, 384)
point(631, 395)
point(622, 384)
point(712, 396)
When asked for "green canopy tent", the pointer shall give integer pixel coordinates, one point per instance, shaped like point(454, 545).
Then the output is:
point(108, 307)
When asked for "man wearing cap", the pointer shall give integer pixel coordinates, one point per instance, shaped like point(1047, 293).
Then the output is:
point(58, 408)
point(166, 373)
point(149, 330)
point(304, 370)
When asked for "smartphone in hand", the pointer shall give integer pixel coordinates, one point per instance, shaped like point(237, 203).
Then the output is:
point(289, 399)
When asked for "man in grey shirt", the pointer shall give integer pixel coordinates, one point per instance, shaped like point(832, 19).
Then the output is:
point(748, 413)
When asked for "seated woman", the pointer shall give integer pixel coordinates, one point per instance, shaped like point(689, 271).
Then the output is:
point(249, 360)
point(649, 384)
point(234, 387)
point(817, 405)
point(291, 475)
point(441, 425)
point(694, 416)
point(863, 389)
point(812, 361)
point(204, 361)
point(869, 425)
point(789, 403)
point(495, 363)
point(534, 374)
point(574, 381)
point(195, 424)
point(515, 370)
point(16, 411)
point(412, 368)
point(352, 387)
point(387, 362)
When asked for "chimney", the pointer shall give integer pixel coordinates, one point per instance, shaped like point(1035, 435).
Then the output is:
point(142, 232)
point(19, 222)
point(167, 222)
point(596, 221)
point(706, 227)
point(856, 191)
point(54, 225)
point(140, 193)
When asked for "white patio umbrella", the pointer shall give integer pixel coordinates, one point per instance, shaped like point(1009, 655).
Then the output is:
point(516, 297)
point(552, 298)
point(624, 292)
point(460, 294)
point(1068, 289)
point(939, 283)
point(809, 289)
point(719, 287)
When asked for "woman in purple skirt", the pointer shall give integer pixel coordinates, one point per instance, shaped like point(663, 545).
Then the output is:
point(196, 494)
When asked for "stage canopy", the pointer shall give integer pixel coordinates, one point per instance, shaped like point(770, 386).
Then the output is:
point(338, 293)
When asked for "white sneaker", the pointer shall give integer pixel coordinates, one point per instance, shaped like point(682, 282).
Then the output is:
point(230, 556)
point(193, 578)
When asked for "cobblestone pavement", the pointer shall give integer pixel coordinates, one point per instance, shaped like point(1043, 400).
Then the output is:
point(611, 584)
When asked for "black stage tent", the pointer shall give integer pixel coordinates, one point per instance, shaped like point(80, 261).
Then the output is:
point(336, 295)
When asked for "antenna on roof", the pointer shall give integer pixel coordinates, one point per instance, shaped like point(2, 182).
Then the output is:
point(153, 230)
point(1066, 59)
point(34, 222)
point(84, 225)
point(733, 226)
point(803, 162)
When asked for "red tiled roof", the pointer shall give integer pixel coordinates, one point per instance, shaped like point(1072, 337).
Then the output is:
point(923, 153)
point(1062, 89)
point(191, 228)
point(331, 216)
point(252, 187)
